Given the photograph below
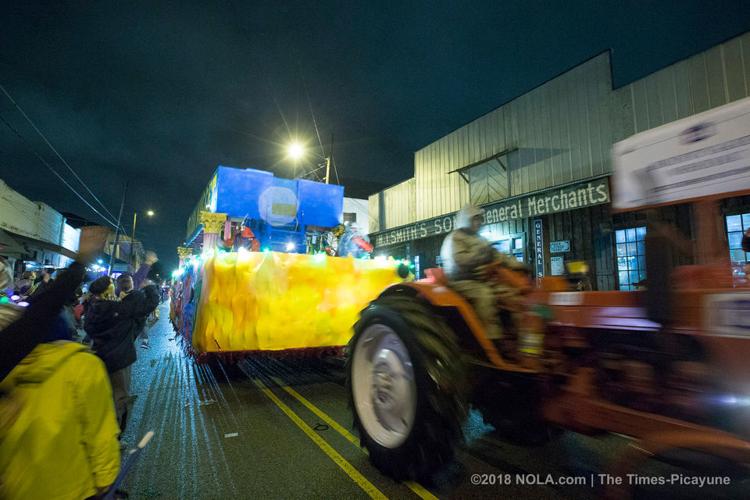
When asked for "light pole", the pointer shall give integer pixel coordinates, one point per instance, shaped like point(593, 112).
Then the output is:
point(149, 213)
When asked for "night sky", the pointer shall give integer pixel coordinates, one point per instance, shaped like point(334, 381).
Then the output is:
point(160, 93)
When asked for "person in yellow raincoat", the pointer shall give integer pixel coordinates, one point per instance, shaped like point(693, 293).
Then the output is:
point(58, 432)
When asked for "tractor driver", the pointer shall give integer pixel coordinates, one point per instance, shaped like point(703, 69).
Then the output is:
point(467, 261)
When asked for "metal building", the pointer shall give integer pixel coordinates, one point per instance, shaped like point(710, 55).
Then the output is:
point(540, 165)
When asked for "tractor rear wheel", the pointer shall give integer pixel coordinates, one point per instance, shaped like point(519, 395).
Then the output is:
point(407, 387)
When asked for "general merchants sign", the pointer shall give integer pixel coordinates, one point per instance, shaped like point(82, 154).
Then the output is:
point(582, 195)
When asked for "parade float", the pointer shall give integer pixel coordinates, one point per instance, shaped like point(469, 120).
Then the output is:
point(269, 266)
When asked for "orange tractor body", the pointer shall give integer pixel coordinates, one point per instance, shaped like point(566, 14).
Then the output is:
point(597, 362)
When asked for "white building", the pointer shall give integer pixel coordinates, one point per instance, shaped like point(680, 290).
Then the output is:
point(33, 232)
point(356, 211)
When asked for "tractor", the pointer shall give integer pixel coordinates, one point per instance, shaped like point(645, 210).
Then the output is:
point(419, 357)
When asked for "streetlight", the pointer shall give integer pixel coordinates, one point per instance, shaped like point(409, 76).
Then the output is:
point(295, 150)
point(149, 213)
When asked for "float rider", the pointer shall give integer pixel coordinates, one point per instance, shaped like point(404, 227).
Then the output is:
point(470, 263)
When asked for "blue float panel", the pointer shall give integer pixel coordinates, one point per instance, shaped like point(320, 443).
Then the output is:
point(276, 240)
point(238, 191)
point(320, 204)
point(259, 195)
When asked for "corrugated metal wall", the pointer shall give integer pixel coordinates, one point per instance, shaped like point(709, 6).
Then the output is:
point(374, 208)
point(399, 205)
point(707, 80)
point(561, 131)
point(564, 129)
point(564, 133)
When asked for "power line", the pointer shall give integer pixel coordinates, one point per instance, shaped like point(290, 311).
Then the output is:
point(55, 151)
point(333, 162)
point(317, 132)
point(335, 170)
point(312, 113)
point(46, 164)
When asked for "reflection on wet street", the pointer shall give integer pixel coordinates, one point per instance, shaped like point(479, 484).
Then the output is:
point(275, 427)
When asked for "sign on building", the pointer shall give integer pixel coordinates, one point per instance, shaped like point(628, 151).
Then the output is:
point(539, 248)
point(559, 246)
point(582, 195)
point(557, 266)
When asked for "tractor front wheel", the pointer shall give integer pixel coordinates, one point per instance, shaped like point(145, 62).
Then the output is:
point(407, 387)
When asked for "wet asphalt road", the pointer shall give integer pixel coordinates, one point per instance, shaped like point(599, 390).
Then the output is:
point(281, 428)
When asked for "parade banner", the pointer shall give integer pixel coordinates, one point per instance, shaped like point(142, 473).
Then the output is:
point(705, 155)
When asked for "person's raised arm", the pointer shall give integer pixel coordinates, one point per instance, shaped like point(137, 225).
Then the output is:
point(19, 338)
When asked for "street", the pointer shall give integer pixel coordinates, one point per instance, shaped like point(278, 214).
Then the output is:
point(281, 428)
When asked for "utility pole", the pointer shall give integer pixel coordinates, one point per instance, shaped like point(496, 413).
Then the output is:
point(117, 230)
point(132, 240)
point(329, 159)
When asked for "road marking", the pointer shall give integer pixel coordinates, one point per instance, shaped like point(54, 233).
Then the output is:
point(353, 473)
point(318, 412)
point(417, 488)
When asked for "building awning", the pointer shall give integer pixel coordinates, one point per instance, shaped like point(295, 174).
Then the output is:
point(31, 242)
point(462, 171)
point(9, 246)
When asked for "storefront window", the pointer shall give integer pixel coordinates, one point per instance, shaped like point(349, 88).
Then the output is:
point(631, 257)
point(513, 245)
point(736, 227)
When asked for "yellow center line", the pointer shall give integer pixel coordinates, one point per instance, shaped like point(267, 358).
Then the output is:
point(353, 473)
point(417, 488)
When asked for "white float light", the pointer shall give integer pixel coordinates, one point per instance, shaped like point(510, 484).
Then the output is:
point(319, 257)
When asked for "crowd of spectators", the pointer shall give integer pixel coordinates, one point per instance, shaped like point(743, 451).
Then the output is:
point(64, 396)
